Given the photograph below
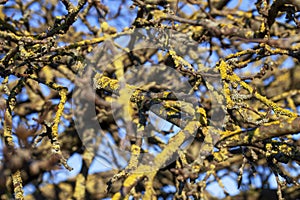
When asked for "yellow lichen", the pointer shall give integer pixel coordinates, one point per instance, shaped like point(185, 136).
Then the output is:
point(132, 179)
point(63, 98)
point(79, 187)
point(284, 148)
point(117, 196)
point(221, 155)
point(158, 14)
point(18, 185)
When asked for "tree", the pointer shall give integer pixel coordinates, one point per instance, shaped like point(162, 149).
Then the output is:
point(165, 97)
